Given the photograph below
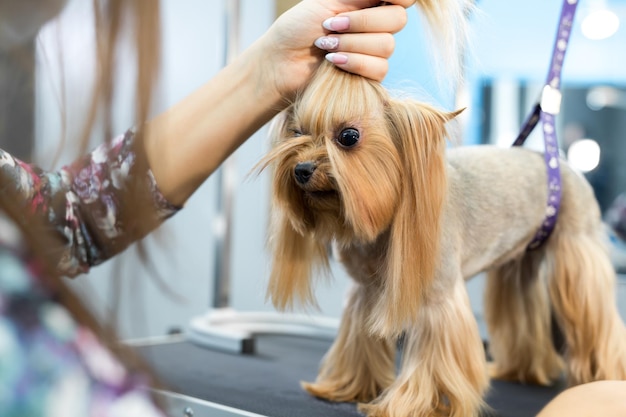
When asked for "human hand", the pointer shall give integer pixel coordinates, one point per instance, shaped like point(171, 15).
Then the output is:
point(357, 35)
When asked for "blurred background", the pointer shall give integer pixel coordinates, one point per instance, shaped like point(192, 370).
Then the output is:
point(507, 64)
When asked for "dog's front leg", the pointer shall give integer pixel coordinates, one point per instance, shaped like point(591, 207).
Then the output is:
point(443, 365)
point(359, 365)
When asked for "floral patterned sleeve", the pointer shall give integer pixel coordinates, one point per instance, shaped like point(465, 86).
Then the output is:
point(84, 202)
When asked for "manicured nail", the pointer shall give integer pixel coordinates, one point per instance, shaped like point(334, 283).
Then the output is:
point(327, 43)
point(337, 24)
point(337, 59)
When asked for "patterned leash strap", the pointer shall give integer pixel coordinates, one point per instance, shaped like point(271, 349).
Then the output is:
point(546, 110)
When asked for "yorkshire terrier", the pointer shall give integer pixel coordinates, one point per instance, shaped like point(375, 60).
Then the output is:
point(411, 220)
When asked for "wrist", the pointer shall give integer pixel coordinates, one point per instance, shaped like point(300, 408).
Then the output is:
point(264, 62)
point(284, 67)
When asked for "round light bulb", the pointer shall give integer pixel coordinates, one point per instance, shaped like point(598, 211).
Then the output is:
point(584, 155)
point(600, 24)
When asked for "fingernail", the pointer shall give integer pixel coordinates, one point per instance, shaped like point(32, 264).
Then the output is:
point(337, 59)
point(338, 23)
point(327, 42)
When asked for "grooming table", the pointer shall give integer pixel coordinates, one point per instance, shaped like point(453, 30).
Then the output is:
point(203, 382)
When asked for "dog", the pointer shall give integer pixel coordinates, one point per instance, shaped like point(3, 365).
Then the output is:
point(411, 219)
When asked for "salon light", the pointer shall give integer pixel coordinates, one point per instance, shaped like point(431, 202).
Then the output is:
point(602, 97)
point(584, 155)
point(600, 24)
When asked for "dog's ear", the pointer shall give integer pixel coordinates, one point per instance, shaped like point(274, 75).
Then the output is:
point(296, 256)
point(419, 132)
point(295, 253)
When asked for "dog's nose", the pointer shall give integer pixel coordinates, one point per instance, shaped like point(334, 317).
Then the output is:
point(303, 172)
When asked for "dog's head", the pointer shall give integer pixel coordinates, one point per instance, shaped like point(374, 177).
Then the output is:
point(351, 163)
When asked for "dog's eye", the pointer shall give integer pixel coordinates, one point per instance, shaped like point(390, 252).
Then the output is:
point(295, 133)
point(348, 137)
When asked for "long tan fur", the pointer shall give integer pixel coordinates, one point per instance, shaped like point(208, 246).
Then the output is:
point(449, 25)
point(518, 314)
point(359, 365)
point(572, 277)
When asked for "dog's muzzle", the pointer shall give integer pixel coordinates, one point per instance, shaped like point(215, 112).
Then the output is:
point(304, 171)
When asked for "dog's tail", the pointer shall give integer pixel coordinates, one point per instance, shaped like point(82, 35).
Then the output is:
point(448, 21)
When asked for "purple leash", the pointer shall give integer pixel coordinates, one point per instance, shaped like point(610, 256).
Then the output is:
point(546, 110)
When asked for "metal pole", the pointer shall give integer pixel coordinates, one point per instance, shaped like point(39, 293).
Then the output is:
point(226, 176)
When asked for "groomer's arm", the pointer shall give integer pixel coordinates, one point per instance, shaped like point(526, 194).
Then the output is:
point(595, 399)
point(187, 143)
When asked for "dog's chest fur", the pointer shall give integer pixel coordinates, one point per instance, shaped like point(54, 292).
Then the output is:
point(363, 260)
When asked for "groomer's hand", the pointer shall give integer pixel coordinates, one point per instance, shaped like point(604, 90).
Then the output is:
point(355, 35)
point(188, 142)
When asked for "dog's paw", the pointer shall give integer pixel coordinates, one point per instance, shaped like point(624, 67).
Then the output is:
point(493, 370)
point(538, 377)
point(338, 392)
point(496, 372)
point(382, 407)
point(372, 410)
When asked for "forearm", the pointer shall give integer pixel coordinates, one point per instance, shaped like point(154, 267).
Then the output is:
point(188, 142)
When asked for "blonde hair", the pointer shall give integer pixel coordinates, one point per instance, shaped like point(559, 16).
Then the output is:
point(448, 23)
point(141, 18)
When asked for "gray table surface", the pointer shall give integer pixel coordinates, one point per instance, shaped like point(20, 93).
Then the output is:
point(268, 382)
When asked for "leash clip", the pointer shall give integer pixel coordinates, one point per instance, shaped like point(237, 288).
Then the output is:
point(550, 100)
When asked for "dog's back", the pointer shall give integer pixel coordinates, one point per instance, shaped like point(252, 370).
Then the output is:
point(497, 201)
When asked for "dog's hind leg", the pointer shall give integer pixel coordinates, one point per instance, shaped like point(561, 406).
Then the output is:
point(443, 364)
point(582, 290)
point(359, 365)
point(518, 316)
